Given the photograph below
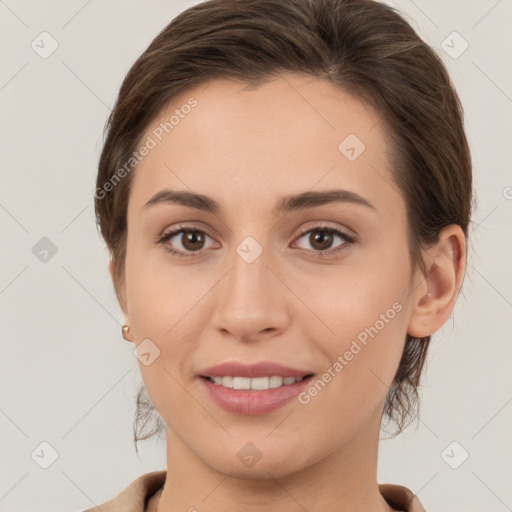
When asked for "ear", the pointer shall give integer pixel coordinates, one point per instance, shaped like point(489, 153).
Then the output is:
point(119, 288)
point(435, 293)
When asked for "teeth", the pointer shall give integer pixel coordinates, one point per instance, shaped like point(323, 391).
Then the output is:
point(275, 382)
point(258, 383)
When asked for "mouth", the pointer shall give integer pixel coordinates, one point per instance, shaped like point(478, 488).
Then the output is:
point(253, 396)
point(253, 389)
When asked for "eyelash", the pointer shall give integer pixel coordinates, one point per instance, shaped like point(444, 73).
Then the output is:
point(190, 229)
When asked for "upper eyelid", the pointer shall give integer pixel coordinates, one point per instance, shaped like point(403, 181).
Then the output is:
point(319, 225)
point(322, 225)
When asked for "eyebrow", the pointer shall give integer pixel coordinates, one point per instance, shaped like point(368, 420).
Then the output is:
point(286, 204)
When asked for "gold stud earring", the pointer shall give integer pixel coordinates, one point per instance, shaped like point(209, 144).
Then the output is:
point(124, 331)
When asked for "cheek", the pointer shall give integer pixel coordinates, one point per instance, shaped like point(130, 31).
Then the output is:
point(362, 362)
point(363, 313)
point(349, 298)
point(159, 293)
point(164, 307)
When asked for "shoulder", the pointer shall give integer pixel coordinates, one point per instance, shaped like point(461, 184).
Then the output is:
point(401, 498)
point(134, 498)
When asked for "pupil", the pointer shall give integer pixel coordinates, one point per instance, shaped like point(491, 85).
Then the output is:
point(322, 235)
point(193, 238)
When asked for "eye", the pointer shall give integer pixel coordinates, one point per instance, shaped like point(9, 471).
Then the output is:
point(191, 240)
point(321, 239)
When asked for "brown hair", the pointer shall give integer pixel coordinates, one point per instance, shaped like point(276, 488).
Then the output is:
point(362, 46)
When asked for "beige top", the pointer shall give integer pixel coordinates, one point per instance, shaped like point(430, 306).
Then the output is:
point(142, 494)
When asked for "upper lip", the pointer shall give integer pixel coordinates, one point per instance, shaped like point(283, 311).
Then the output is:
point(261, 369)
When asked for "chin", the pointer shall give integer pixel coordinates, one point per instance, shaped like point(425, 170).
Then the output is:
point(257, 460)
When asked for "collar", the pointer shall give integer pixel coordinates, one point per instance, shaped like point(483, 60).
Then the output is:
point(136, 496)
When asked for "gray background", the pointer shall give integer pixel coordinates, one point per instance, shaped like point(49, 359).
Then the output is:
point(68, 378)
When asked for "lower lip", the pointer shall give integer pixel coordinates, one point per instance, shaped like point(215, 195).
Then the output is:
point(251, 402)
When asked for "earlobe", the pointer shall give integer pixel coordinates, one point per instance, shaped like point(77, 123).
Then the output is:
point(435, 292)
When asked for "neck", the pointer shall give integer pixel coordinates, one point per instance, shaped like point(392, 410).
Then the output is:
point(344, 480)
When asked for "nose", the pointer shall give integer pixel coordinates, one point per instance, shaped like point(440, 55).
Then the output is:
point(251, 300)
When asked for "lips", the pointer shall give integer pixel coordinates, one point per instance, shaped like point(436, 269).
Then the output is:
point(249, 402)
point(261, 369)
point(246, 400)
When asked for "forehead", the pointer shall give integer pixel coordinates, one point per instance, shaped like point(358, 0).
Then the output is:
point(249, 145)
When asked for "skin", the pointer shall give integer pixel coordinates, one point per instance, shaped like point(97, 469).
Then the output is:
point(246, 148)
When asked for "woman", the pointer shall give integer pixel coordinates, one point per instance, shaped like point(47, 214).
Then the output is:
point(285, 190)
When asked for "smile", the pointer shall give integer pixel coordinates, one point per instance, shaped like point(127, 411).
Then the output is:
point(253, 396)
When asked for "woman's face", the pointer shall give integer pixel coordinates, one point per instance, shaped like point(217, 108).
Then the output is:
point(256, 283)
